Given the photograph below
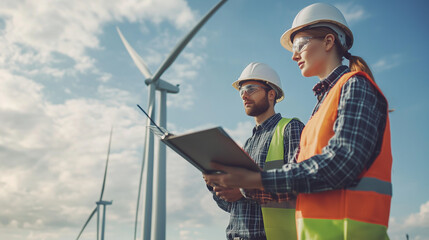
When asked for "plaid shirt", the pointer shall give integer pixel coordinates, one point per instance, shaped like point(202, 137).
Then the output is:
point(356, 143)
point(246, 216)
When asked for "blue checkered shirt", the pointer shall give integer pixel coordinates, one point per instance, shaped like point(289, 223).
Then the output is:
point(246, 216)
point(358, 134)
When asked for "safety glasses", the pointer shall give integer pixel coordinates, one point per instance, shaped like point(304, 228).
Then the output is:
point(250, 89)
point(301, 43)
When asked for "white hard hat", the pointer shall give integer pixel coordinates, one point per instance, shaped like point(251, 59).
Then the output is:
point(319, 15)
point(261, 72)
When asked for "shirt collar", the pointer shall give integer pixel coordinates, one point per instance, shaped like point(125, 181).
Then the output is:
point(269, 123)
point(324, 85)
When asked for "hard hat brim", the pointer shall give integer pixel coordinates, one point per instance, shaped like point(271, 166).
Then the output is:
point(286, 41)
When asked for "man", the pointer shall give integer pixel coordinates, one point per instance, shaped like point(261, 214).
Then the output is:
point(271, 145)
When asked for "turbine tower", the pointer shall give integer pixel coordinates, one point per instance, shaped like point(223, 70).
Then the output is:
point(100, 202)
point(154, 173)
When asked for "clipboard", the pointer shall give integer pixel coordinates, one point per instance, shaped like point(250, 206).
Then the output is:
point(210, 145)
point(200, 148)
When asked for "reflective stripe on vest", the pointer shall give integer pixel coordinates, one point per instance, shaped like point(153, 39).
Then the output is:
point(279, 218)
point(370, 184)
point(358, 212)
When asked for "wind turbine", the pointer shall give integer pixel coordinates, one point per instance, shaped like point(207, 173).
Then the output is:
point(100, 201)
point(156, 231)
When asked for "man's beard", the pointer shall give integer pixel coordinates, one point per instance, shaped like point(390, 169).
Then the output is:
point(259, 108)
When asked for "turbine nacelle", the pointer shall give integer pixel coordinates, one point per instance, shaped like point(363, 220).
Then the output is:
point(162, 85)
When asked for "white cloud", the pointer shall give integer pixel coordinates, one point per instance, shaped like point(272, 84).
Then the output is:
point(52, 155)
point(185, 70)
point(387, 63)
point(18, 93)
point(416, 225)
point(115, 95)
point(420, 219)
point(184, 100)
point(352, 12)
point(48, 33)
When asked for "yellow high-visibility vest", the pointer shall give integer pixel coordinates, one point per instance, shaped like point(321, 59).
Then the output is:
point(279, 218)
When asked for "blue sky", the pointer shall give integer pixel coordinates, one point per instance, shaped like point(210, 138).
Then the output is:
point(66, 78)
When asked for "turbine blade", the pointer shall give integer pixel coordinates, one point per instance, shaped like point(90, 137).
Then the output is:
point(107, 163)
point(179, 47)
point(86, 223)
point(141, 65)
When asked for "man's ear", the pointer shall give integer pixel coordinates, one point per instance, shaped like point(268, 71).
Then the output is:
point(272, 95)
point(329, 42)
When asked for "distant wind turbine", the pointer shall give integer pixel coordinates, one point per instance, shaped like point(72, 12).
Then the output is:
point(100, 202)
point(156, 231)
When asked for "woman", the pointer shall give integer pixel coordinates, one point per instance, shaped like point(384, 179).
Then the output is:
point(343, 170)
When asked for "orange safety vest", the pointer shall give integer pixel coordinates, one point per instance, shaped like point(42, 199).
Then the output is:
point(360, 212)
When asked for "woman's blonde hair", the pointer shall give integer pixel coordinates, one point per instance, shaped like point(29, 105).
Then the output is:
point(356, 63)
